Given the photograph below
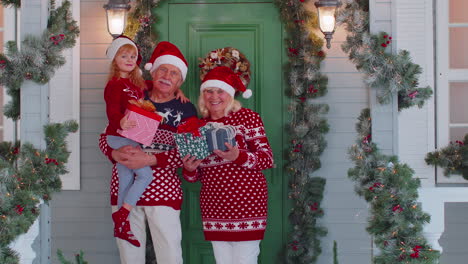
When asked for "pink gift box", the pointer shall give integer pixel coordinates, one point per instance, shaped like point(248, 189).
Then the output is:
point(147, 124)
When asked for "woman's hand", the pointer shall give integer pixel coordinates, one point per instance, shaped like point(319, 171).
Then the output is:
point(190, 162)
point(231, 154)
point(133, 157)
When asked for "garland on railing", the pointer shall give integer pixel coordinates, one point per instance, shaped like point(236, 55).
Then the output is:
point(39, 56)
point(396, 219)
point(15, 3)
point(27, 176)
point(306, 130)
point(453, 158)
point(387, 72)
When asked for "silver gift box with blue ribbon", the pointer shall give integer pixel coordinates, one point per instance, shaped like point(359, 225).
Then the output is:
point(217, 134)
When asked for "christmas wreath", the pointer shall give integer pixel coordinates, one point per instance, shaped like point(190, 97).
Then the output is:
point(229, 57)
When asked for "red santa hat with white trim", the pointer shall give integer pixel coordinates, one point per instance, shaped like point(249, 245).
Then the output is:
point(167, 53)
point(224, 78)
point(117, 43)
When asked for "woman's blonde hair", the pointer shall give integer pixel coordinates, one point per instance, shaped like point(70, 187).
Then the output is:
point(135, 75)
point(233, 105)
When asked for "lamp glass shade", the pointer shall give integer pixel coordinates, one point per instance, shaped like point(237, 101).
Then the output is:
point(327, 18)
point(116, 19)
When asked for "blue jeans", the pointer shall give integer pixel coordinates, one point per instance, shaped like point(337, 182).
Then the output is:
point(130, 187)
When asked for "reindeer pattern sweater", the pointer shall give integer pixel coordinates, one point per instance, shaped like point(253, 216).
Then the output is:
point(234, 195)
point(165, 189)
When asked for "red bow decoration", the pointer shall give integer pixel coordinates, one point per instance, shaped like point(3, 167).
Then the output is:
point(191, 126)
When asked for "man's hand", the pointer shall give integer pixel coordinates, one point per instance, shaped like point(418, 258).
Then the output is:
point(181, 96)
point(127, 124)
point(190, 162)
point(133, 157)
point(231, 154)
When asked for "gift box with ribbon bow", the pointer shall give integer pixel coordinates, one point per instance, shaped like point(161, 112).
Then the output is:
point(218, 134)
point(147, 124)
point(191, 139)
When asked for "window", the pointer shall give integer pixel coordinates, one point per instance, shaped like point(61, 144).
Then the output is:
point(452, 75)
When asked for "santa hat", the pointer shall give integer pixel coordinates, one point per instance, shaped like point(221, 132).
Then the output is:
point(224, 78)
point(167, 53)
point(117, 43)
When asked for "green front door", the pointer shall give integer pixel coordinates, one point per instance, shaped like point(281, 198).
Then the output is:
point(254, 29)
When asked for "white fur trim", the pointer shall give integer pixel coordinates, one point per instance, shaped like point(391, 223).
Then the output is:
point(247, 94)
point(218, 84)
point(148, 66)
point(115, 46)
point(173, 60)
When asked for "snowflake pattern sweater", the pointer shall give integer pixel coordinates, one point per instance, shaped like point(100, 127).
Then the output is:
point(234, 195)
point(165, 189)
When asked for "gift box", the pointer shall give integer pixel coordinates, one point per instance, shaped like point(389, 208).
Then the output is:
point(146, 125)
point(191, 139)
point(218, 134)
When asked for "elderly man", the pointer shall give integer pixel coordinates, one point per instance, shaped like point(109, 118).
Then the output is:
point(160, 204)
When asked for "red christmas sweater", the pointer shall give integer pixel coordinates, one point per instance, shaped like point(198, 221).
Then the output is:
point(234, 195)
point(117, 93)
point(165, 189)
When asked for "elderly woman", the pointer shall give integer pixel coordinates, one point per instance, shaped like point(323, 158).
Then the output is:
point(234, 195)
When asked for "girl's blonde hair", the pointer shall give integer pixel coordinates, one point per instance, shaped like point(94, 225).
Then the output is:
point(233, 105)
point(135, 75)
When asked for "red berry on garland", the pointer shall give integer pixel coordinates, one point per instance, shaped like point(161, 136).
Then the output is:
point(28, 76)
point(19, 209)
point(321, 54)
point(314, 207)
point(385, 36)
point(383, 45)
point(15, 151)
point(302, 98)
point(2, 64)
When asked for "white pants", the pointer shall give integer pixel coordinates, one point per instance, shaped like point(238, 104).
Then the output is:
point(164, 225)
point(243, 252)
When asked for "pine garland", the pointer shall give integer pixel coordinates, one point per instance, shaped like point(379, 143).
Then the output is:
point(306, 130)
point(387, 72)
point(27, 176)
point(14, 3)
point(453, 158)
point(39, 57)
point(396, 219)
point(79, 258)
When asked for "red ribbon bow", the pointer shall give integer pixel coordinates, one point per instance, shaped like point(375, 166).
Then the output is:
point(191, 126)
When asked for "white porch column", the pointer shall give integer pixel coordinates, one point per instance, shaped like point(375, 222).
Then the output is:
point(32, 247)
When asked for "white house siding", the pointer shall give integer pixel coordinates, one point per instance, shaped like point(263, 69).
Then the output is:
point(81, 219)
point(345, 212)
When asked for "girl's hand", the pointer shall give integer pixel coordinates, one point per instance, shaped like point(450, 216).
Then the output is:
point(190, 162)
point(231, 154)
point(127, 124)
point(180, 95)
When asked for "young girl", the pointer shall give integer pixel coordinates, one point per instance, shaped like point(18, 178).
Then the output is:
point(125, 83)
